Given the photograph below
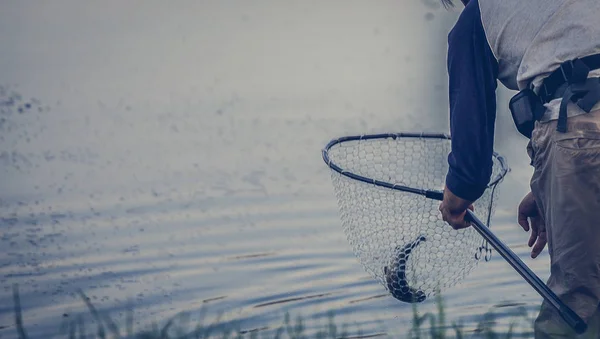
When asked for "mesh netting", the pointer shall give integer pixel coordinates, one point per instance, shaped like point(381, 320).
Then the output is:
point(399, 237)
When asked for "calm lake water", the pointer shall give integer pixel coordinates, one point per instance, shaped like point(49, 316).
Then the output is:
point(170, 158)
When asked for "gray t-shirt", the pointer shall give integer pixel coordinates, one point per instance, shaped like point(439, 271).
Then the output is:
point(531, 38)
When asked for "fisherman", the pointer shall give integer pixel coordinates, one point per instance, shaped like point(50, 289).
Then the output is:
point(548, 51)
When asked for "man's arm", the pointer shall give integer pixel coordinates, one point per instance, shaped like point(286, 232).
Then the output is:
point(472, 70)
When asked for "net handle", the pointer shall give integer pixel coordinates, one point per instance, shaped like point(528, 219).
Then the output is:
point(570, 317)
point(427, 193)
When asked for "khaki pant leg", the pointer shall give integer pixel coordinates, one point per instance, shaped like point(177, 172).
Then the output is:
point(566, 185)
point(546, 326)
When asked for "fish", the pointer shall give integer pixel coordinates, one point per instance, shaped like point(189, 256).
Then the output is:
point(395, 274)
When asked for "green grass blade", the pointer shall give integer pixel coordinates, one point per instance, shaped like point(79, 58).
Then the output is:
point(18, 315)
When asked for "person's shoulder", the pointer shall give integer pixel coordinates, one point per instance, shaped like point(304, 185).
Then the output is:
point(497, 12)
point(497, 6)
point(468, 21)
point(471, 12)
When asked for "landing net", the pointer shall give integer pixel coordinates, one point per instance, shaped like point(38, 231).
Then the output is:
point(396, 232)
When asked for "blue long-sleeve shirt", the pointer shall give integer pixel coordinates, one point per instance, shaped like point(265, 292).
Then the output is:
point(473, 72)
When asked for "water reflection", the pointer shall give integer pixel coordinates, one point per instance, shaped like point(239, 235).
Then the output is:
point(170, 158)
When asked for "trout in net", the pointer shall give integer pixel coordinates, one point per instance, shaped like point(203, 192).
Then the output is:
point(395, 275)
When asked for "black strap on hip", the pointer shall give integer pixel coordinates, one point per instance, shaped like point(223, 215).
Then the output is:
point(570, 82)
point(561, 75)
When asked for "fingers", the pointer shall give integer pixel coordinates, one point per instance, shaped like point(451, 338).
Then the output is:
point(537, 227)
point(522, 219)
point(527, 209)
point(457, 221)
point(539, 244)
point(539, 241)
point(534, 234)
point(454, 209)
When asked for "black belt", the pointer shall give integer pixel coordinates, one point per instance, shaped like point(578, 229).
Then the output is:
point(570, 82)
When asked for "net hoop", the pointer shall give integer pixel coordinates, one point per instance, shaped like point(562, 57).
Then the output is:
point(398, 238)
point(333, 166)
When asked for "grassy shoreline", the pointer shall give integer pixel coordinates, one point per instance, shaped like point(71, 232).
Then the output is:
point(427, 325)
